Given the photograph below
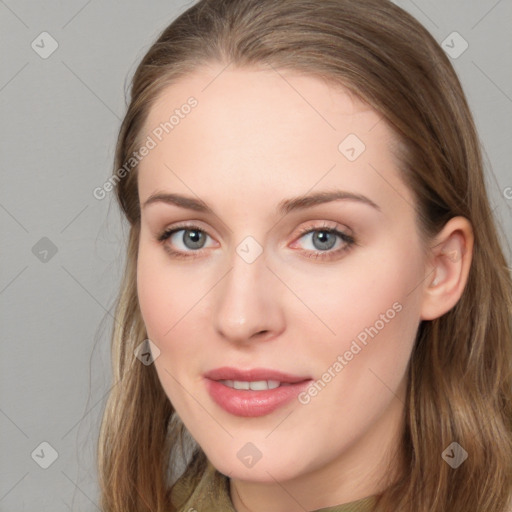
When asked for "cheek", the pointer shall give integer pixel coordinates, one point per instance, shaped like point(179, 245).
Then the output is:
point(164, 301)
point(173, 309)
point(164, 292)
point(153, 300)
point(349, 297)
point(368, 313)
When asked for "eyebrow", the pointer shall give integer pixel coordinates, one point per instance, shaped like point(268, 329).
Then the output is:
point(284, 207)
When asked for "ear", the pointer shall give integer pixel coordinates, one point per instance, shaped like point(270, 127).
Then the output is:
point(449, 261)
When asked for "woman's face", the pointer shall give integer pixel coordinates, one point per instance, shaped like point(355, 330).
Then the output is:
point(251, 280)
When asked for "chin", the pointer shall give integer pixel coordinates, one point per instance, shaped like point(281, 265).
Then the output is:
point(264, 471)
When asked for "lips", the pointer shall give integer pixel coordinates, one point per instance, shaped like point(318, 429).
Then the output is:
point(255, 374)
point(255, 392)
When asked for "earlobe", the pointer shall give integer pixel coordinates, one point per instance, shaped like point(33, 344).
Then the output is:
point(450, 259)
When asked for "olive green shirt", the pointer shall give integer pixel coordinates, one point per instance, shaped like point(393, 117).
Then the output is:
point(211, 494)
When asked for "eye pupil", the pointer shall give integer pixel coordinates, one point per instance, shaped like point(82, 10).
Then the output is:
point(323, 238)
point(195, 236)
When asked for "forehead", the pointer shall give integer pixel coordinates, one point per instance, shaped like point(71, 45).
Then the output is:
point(263, 131)
point(241, 93)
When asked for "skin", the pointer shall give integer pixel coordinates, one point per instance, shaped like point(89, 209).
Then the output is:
point(257, 137)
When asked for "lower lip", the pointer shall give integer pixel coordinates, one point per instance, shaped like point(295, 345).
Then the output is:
point(251, 403)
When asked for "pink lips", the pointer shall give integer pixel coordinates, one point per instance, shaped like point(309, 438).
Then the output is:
point(229, 373)
point(250, 403)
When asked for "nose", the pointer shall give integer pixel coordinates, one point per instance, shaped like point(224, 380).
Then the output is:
point(248, 303)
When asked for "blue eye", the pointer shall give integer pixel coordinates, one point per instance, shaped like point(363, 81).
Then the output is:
point(324, 239)
point(193, 240)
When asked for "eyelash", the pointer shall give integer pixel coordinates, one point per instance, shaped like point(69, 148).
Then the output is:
point(323, 255)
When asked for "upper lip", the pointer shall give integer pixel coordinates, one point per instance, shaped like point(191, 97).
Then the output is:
point(254, 374)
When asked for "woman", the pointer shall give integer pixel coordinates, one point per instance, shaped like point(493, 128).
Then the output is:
point(315, 312)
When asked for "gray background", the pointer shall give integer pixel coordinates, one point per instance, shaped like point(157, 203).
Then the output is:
point(60, 117)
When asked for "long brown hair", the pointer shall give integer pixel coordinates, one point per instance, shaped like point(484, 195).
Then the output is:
point(460, 377)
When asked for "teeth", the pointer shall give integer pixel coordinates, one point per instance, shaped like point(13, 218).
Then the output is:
point(258, 385)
